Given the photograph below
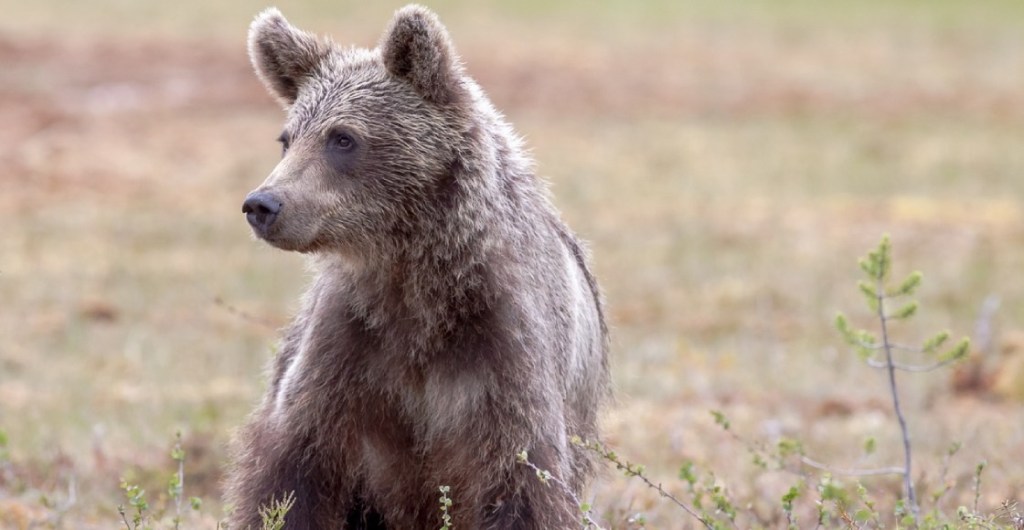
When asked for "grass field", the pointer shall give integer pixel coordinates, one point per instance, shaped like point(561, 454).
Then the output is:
point(728, 162)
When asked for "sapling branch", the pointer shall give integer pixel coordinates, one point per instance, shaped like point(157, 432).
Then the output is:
point(879, 352)
point(851, 472)
point(894, 346)
point(633, 470)
point(176, 486)
point(908, 481)
point(883, 365)
point(546, 477)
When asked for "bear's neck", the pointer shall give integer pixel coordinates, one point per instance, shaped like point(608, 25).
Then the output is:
point(416, 300)
point(454, 269)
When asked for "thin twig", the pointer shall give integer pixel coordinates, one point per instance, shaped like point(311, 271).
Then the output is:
point(984, 329)
point(908, 481)
point(944, 475)
point(57, 520)
point(546, 476)
point(977, 484)
point(124, 517)
point(1010, 513)
point(180, 488)
point(845, 516)
point(636, 471)
point(657, 487)
point(851, 472)
point(911, 367)
point(248, 317)
point(895, 346)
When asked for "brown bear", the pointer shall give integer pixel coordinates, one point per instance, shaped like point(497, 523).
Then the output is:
point(453, 321)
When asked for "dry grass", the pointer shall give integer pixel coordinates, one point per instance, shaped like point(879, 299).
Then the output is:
point(728, 163)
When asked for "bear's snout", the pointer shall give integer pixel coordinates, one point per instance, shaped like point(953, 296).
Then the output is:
point(261, 209)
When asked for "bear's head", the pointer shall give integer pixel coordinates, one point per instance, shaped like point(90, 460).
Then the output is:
point(371, 136)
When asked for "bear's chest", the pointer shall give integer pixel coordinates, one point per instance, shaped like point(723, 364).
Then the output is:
point(350, 374)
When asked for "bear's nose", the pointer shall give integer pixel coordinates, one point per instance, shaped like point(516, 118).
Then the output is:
point(260, 209)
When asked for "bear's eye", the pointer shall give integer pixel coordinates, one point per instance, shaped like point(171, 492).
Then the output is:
point(341, 141)
point(285, 142)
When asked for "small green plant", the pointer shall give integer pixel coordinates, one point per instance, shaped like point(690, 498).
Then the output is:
point(139, 507)
point(882, 297)
point(977, 483)
point(787, 506)
point(4, 455)
point(138, 514)
point(446, 504)
point(633, 470)
point(176, 484)
point(273, 515)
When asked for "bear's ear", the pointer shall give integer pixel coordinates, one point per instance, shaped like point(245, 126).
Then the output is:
point(416, 48)
point(283, 56)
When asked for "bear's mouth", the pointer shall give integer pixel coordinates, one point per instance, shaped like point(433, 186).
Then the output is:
point(277, 241)
point(280, 241)
point(268, 234)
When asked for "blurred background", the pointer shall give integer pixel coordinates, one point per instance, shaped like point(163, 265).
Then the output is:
point(729, 161)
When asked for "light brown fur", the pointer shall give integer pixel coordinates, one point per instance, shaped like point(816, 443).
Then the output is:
point(453, 321)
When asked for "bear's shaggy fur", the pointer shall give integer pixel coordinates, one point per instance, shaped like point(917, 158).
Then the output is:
point(453, 321)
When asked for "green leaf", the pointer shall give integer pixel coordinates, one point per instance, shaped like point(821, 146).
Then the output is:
point(789, 497)
point(868, 290)
point(760, 462)
point(850, 335)
point(789, 446)
point(686, 472)
point(842, 325)
point(830, 490)
point(868, 266)
point(870, 295)
point(883, 258)
point(905, 312)
point(867, 338)
point(869, 445)
point(174, 486)
point(935, 342)
point(959, 351)
point(865, 342)
point(908, 286)
point(720, 419)
point(862, 494)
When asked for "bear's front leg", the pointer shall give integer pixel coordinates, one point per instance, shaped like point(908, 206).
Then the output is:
point(267, 472)
point(528, 503)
